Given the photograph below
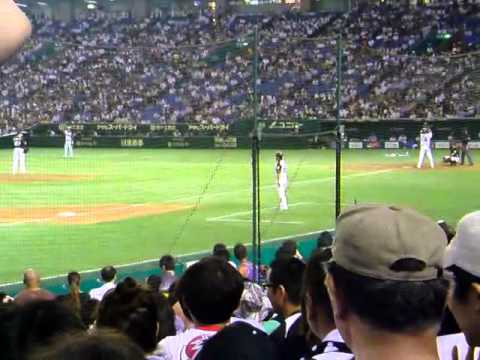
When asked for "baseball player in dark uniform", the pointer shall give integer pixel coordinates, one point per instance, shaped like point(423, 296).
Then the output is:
point(465, 138)
point(454, 157)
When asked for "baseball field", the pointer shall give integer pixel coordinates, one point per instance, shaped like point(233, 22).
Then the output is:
point(111, 206)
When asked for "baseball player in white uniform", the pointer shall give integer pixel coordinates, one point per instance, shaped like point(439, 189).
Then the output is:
point(425, 147)
point(282, 179)
point(68, 143)
point(19, 145)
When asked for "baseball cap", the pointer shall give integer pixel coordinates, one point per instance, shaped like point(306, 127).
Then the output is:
point(239, 341)
point(464, 249)
point(379, 241)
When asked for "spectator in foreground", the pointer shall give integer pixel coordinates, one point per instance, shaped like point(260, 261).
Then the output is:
point(32, 291)
point(208, 292)
point(245, 267)
point(462, 260)
point(220, 250)
point(15, 28)
point(239, 341)
point(103, 345)
point(109, 275)
point(167, 266)
point(75, 298)
point(134, 311)
point(385, 282)
point(38, 324)
point(319, 313)
point(285, 294)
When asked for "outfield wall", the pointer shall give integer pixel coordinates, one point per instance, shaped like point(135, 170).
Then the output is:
point(277, 134)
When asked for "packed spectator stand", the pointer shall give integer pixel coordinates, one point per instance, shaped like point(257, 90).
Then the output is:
point(399, 62)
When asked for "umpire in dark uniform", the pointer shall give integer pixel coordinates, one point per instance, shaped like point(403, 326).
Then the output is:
point(465, 138)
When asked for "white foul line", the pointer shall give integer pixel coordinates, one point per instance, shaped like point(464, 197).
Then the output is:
point(230, 217)
point(156, 259)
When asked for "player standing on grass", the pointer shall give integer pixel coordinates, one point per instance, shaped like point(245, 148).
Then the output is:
point(20, 148)
point(68, 142)
point(282, 179)
point(425, 146)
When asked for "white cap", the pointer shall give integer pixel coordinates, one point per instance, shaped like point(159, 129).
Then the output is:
point(464, 250)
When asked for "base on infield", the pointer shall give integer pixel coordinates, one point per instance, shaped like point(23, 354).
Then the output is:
point(84, 215)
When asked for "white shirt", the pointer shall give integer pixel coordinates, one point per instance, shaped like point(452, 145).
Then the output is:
point(446, 343)
point(68, 137)
point(99, 293)
point(17, 141)
point(331, 352)
point(425, 139)
point(282, 175)
point(184, 346)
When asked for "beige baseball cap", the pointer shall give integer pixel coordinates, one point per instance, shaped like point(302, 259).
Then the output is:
point(464, 249)
point(375, 241)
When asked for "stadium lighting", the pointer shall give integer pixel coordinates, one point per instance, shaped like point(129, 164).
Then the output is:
point(41, 3)
point(22, 5)
point(91, 6)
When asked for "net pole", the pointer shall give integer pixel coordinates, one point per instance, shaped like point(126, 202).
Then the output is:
point(256, 243)
point(338, 147)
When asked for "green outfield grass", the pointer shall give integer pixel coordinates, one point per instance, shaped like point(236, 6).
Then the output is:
point(216, 185)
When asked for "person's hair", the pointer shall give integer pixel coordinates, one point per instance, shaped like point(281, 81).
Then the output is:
point(447, 229)
point(396, 306)
point(73, 279)
point(289, 274)
point(165, 317)
point(240, 252)
point(101, 345)
point(324, 239)
point(132, 310)
point(210, 291)
point(463, 282)
point(108, 273)
point(154, 282)
point(38, 323)
point(167, 262)
point(314, 281)
point(88, 311)
point(220, 250)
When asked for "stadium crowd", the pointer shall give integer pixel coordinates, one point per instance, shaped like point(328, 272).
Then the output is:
point(380, 288)
point(400, 62)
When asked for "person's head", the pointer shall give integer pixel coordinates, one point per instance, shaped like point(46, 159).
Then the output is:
point(240, 252)
point(73, 278)
point(386, 273)
point(319, 314)
point(461, 259)
point(38, 323)
point(285, 285)
point(210, 291)
point(132, 310)
point(108, 274)
point(239, 341)
point(31, 279)
point(324, 239)
point(287, 250)
point(73, 301)
point(220, 250)
point(279, 156)
point(153, 282)
point(101, 345)
point(167, 263)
